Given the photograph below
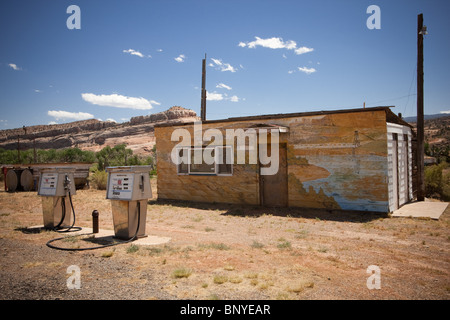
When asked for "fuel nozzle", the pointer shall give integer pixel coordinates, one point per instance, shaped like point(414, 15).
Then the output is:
point(141, 183)
point(66, 183)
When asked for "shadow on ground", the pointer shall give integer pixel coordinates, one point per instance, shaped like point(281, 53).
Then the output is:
point(258, 211)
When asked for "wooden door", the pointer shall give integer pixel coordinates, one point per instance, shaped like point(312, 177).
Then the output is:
point(395, 184)
point(274, 188)
point(405, 152)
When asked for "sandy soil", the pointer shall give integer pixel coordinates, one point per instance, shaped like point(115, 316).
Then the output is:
point(227, 252)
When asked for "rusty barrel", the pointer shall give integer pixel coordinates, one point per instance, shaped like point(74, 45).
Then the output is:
point(12, 179)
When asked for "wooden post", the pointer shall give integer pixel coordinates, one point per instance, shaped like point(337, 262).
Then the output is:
point(420, 120)
point(203, 97)
point(34, 150)
point(18, 148)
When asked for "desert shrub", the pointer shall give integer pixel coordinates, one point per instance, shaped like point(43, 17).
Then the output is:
point(446, 186)
point(99, 179)
point(437, 181)
point(181, 273)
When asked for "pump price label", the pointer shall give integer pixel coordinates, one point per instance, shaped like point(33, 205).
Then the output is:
point(120, 186)
point(47, 185)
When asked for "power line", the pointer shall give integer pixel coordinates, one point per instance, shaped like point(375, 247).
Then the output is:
point(391, 99)
point(409, 91)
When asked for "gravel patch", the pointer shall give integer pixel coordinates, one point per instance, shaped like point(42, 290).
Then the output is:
point(35, 272)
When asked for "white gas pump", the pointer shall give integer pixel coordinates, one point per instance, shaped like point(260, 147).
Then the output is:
point(56, 186)
point(129, 189)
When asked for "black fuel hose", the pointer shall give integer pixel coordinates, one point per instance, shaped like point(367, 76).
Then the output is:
point(86, 234)
point(58, 227)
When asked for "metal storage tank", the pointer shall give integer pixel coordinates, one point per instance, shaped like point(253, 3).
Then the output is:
point(12, 179)
point(26, 180)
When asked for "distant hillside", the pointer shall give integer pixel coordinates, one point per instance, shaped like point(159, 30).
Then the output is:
point(426, 117)
point(93, 134)
point(437, 136)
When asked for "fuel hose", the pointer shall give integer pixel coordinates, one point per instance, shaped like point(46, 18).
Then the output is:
point(50, 245)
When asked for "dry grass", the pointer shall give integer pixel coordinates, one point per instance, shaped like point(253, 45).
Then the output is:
point(236, 252)
point(181, 273)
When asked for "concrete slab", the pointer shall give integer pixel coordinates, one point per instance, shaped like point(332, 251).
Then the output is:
point(107, 236)
point(421, 209)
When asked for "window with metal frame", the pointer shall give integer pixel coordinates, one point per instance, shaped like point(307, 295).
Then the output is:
point(224, 160)
point(221, 165)
point(198, 163)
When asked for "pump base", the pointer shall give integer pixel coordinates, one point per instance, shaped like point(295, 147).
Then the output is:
point(123, 238)
point(52, 210)
point(127, 217)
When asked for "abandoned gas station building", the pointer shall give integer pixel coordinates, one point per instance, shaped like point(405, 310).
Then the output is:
point(356, 159)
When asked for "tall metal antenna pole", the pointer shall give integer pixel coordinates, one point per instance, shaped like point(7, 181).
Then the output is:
point(420, 120)
point(203, 98)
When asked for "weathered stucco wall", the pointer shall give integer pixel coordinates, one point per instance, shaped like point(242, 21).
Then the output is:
point(241, 187)
point(347, 153)
point(334, 161)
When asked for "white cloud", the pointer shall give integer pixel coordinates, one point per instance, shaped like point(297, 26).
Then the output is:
point(228, 67)
point(445, 112)
point(220, 65)
point(111, 120)
point(134, 53)
point(303, 50)
point(37, 90)
point(66, 115)
point(14, 66)
point(217, 61)
point(307, 70)
point(160, 50)
point(272, 43)
point(275, 43)
point(4, 122)
point(52, 122)
point(223, 86)
point(119, 101)
point(180, 58)
point(214, 96)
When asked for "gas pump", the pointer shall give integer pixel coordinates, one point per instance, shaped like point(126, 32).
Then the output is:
point(129, 189)
point(56, 187)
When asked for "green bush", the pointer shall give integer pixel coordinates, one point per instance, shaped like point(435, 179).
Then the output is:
point(437, 181)
point(46, 156)
point(99, 178)
point(446, 186)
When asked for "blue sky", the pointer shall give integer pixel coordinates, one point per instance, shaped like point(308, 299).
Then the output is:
point(133, 58)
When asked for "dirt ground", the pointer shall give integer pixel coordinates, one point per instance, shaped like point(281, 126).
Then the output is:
point(220, 251)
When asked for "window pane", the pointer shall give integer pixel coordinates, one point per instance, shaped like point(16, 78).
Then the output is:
point(202, 167)
point(182, 167)
point(225, 157)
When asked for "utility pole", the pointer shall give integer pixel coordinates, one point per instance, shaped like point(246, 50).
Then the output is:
point(420, 124)
point(18, 148)
point(34, 149)
point(203, 98)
